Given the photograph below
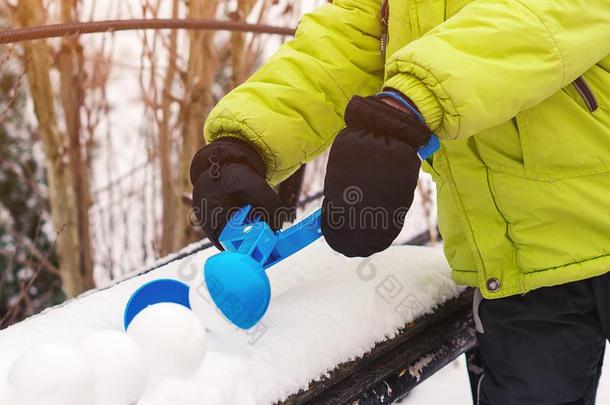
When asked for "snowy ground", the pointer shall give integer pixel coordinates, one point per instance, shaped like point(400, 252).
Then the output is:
point(448, 386)
point(325, 310)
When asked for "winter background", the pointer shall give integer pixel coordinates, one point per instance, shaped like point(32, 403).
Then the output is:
point(316, 291)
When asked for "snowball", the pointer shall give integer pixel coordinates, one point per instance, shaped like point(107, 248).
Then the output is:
point(172, 337)
point(52, 375)
point(203, 306)
point(7, 394)
point(119, 365)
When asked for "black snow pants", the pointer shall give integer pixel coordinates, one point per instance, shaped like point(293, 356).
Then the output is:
point(546, 346)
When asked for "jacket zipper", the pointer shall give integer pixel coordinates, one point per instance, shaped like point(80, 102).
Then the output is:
point(384, 16)
point(585, 92)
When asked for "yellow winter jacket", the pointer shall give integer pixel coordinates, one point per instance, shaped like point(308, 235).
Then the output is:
point(517, 90)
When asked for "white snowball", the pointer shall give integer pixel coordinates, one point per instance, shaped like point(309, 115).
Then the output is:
point(119, 365)
point(52, 375)
point(173, 339)
point(7, 394)
point(203, 306)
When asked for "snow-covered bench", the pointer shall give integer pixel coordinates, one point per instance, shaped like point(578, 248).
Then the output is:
point(337, 330)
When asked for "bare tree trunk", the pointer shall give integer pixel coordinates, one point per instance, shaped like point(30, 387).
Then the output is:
point(168, 191)
point(70, 63)
point(61, 184)
point(238, 41)
point(203, 65)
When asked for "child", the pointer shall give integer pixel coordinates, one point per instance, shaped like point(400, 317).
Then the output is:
point(518, 91)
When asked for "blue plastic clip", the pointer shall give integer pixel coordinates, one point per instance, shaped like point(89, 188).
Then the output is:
point(236, 278)
point(428, 149)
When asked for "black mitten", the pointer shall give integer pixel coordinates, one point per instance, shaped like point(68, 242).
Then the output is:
point(371, 176)
point(228, 174)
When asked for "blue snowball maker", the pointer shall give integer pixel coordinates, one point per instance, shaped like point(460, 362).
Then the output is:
point(236, 278)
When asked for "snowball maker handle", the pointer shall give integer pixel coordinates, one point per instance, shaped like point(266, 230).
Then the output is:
point(236, 278)
point(257, 240)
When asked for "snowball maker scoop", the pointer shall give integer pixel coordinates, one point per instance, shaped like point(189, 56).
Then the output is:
point(235, 278)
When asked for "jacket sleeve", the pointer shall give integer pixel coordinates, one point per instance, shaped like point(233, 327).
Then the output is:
point(496, 58)
point(292, 108)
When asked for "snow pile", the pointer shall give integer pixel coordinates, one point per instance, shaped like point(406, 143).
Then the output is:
point(325, 310)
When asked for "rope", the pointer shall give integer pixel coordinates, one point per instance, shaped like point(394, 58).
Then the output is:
point(78, 28)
